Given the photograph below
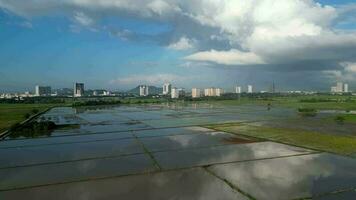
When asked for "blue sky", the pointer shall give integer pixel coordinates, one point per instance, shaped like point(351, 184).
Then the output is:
point(116, 46)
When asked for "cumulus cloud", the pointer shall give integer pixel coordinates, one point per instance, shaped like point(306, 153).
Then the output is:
point(347, 72)
point(231, 57)
point(226, 32)
point(83, 19)
point(349, 67)
point(182, 44)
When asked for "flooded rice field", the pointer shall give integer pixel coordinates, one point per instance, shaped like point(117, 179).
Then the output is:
point(163, 152)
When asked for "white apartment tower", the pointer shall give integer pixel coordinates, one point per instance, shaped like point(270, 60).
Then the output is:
point(167, 87)
point(174, 93)
point(209, 92)
point(339, 87)
point(196, 93)
point(238, 90)
point(346, 88)
point(213, 92)
point(249, 89)
point(143, 90)
point(219, 92)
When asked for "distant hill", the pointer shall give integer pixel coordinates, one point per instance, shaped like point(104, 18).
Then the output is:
point(151, 90)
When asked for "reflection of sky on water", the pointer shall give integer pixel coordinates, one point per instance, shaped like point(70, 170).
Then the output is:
point(223, 154)
point(73, 171)
point(290, 178)
point(192, 184)
point(121, 130)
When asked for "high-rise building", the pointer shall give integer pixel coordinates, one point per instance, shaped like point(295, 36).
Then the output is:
point(174, 93)
point(196, 93)
point(177, 92)
point(209, 92)
point(333, 89)
point(339, 87)
point(78, 89)
point(238, 90)
point(213, 92)
point(219, 92)
point(167, 87)
point(43, 90)
point(249, 89)
point(346, 88)
point(144, 90)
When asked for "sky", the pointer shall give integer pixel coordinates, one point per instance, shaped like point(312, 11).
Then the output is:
point(119, 44)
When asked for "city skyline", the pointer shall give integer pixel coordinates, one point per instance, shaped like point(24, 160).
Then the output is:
point(111, 46)
point(341, 87)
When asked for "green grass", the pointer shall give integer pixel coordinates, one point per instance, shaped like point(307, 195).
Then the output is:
point(350, 118)
point(346, 118)
point(11, 114)
point(345, 145)
point(341, 102)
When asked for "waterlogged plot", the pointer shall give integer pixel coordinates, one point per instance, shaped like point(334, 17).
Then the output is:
point(103, 118)
point(161, 152)
point(292, 177)
point(130, 126)
point(21, 177)
point(145, 115)
point(64, 139)
point(191, 184)
point(67, 152)
point(171, 131)
point(195, 121)
point(341, 195)
point(224, 154)
point(177, 142)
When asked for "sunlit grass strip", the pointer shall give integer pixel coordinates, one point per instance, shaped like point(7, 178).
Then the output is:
point(345, 145)
point(11, 114)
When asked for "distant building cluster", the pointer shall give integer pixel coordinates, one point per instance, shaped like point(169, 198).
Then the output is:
point(167, 90)
point(238, 89)
point(213, 92)
point(340, 88)
point(196, 93)
point(177, 93)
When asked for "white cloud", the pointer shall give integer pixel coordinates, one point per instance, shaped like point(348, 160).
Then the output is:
point(83, 19)
point(153, 79)
point(349, 67)
point(26, 24)
point(257, 32)
point(232, 57)
point(348, 73)
point(182, 44)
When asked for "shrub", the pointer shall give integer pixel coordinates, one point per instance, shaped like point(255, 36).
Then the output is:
point(27, 115)
point(35, 111)
point(32, 129)
point(307, 112)
point(340, 119)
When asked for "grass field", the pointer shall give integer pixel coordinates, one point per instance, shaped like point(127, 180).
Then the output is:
point(349, 118)
point(338, 102)
point(345, 145)
point(11, 114)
